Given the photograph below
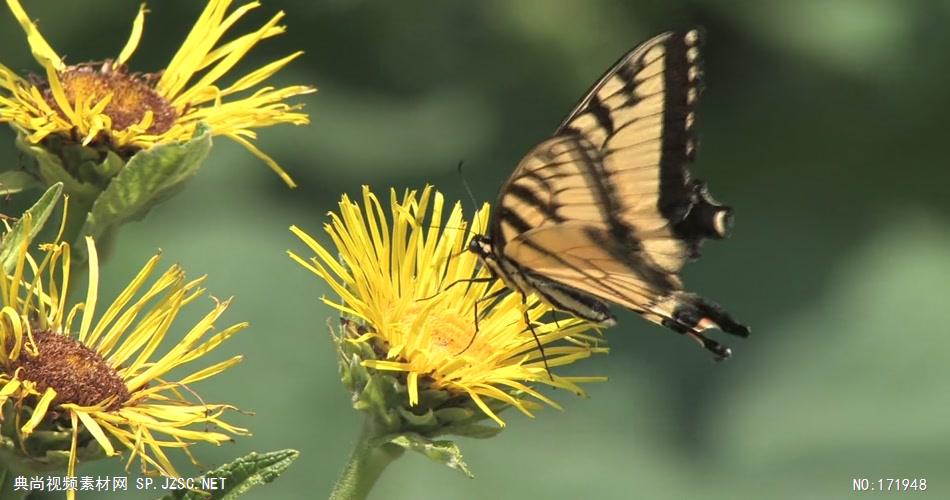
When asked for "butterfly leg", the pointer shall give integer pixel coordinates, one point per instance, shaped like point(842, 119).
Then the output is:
point(456, 282)
point(491, 296)
point(527, 321)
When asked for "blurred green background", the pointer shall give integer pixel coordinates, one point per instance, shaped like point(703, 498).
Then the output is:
point(823, 125)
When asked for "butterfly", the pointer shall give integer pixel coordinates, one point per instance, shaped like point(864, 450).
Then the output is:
point(605, 211)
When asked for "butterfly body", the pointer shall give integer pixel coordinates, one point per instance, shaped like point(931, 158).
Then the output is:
point(605, 211)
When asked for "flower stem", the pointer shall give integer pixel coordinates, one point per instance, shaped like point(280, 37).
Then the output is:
point(366, 463)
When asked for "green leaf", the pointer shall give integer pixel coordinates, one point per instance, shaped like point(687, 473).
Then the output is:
point(14, 181)
point(37, 215)
point(239, 476)
point(150, 177)
point(445, 452)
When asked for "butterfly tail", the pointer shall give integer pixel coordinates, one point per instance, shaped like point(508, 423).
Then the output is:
point(693, 315)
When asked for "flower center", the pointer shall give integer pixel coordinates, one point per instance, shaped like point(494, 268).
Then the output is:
point(449, 332)
point(452, 335)
point(74, 371)
point(132, 95)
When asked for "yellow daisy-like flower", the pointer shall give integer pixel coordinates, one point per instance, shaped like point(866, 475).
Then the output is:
point(395, 281)
point(103, 102)
point(103, 375)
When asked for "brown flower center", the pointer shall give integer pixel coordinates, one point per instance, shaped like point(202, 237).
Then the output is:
point(132, 95)
point(74, 371)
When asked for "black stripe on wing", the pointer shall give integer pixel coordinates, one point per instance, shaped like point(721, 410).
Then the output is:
point(681, 80)
point(601, 114)
point(526, 195)
point(686, 203)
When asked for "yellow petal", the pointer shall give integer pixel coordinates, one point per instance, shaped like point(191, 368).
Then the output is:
point(96, 431)
point(202, 37)
point(120, 303)
point(92, 291)
point(41, 49)
point(229, 61)
point(413, 383)
point(267, 159)
point(73, 455)
point(39, 413)
point(134, 37)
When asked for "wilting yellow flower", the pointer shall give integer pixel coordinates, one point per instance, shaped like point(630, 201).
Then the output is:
point(396, 281)
point(104, 376)
point(105, 103)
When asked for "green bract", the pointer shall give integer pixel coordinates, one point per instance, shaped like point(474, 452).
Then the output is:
point(384, 398)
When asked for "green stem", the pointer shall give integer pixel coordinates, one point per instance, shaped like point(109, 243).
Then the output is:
point(366, 463)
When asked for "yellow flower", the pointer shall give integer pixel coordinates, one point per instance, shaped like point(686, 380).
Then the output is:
point(386, 279)
point(104, 375)
point(105, 103)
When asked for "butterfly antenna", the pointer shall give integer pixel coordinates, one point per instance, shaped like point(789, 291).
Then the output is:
point(471, 195)
point(468, 189)
point(473, 279)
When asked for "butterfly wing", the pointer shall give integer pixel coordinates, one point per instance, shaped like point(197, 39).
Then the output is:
point(606, 206)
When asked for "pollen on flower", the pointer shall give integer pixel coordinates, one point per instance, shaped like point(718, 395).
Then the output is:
point(77, 374)
point(449, 333)
point(446, 339)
